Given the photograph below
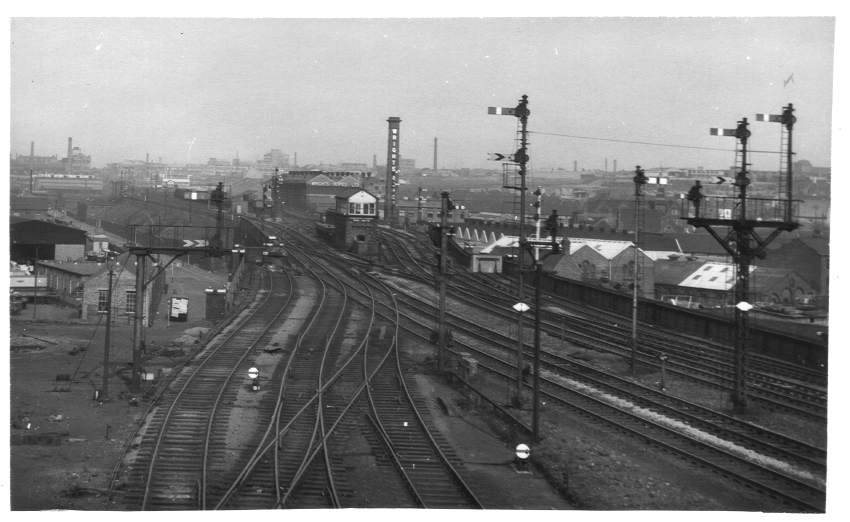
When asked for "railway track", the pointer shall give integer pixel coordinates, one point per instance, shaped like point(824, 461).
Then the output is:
point(212, 444)
point(689, 358)
point(268, 477)
point(170, 467)
point(342, 404)
point(401, 432)
point(749, 454)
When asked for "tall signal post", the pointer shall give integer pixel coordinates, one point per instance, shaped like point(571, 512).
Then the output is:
point(274, 189)
point(520, 160)
point(740, 216)
point(107, 342)
point(445, 206)
point(419, 205)
point(207, 240)
point(640, 180)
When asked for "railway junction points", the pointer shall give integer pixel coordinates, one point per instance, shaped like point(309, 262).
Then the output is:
point(60, 431)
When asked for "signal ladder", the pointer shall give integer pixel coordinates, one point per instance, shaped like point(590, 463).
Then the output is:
point(511, 177)
point(636, 272)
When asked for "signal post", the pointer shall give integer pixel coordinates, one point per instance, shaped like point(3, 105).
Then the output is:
point(520, 160)
point(740, 216)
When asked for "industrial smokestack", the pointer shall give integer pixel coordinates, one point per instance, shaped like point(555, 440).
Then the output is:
point(393, 157)
point(615, 165)
point(606, 164)
point(32, 161)
point(68, 161)
point(294, 159)
point(435, 154)
point(575, 166)
point(374, 161)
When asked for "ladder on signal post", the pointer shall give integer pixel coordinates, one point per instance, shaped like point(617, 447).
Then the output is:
point(513, 168)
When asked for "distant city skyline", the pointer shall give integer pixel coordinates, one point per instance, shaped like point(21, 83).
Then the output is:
point(189, 89)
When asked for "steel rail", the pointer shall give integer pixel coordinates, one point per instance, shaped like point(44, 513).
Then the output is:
point(189, 380)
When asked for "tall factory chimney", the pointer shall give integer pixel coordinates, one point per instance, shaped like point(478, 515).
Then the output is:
point(393, 154)
point(68, 162)
point(374, 161)
point(606, 164)
point(575, 165)
point(32, 162)
point(435, 154)
point(615, 165)
point(294, 159)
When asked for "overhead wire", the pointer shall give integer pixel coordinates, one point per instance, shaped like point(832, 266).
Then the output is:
point(654, 144)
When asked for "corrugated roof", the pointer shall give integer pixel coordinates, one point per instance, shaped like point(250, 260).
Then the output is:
point(656, 255)
point(606, 248)
point(502, 242)
point(321, 179)
point(712, 276)
point(39, 232)
point(672, 272)
point(83, 268)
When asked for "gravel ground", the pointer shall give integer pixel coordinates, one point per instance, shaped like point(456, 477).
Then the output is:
point(577, 465)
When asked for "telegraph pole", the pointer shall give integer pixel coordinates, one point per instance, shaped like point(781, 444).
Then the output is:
point(35, 284)
point(135, 382)
point(106, 339)
point(640, 180)
point(441, 333)
point(535, 399)
point(520, 158)
point(419, 206)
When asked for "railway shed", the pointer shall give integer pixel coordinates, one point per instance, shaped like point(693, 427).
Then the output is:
point(31, 239)
point(710, 284)
point(84, 286)
point(316, 190)
point(808, 257)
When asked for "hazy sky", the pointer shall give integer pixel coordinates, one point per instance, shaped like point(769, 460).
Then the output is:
point(190, 89)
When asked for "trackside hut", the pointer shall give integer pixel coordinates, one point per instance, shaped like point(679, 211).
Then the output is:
point(84, 285)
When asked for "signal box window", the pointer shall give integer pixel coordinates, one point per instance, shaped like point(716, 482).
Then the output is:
point(361, 209)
